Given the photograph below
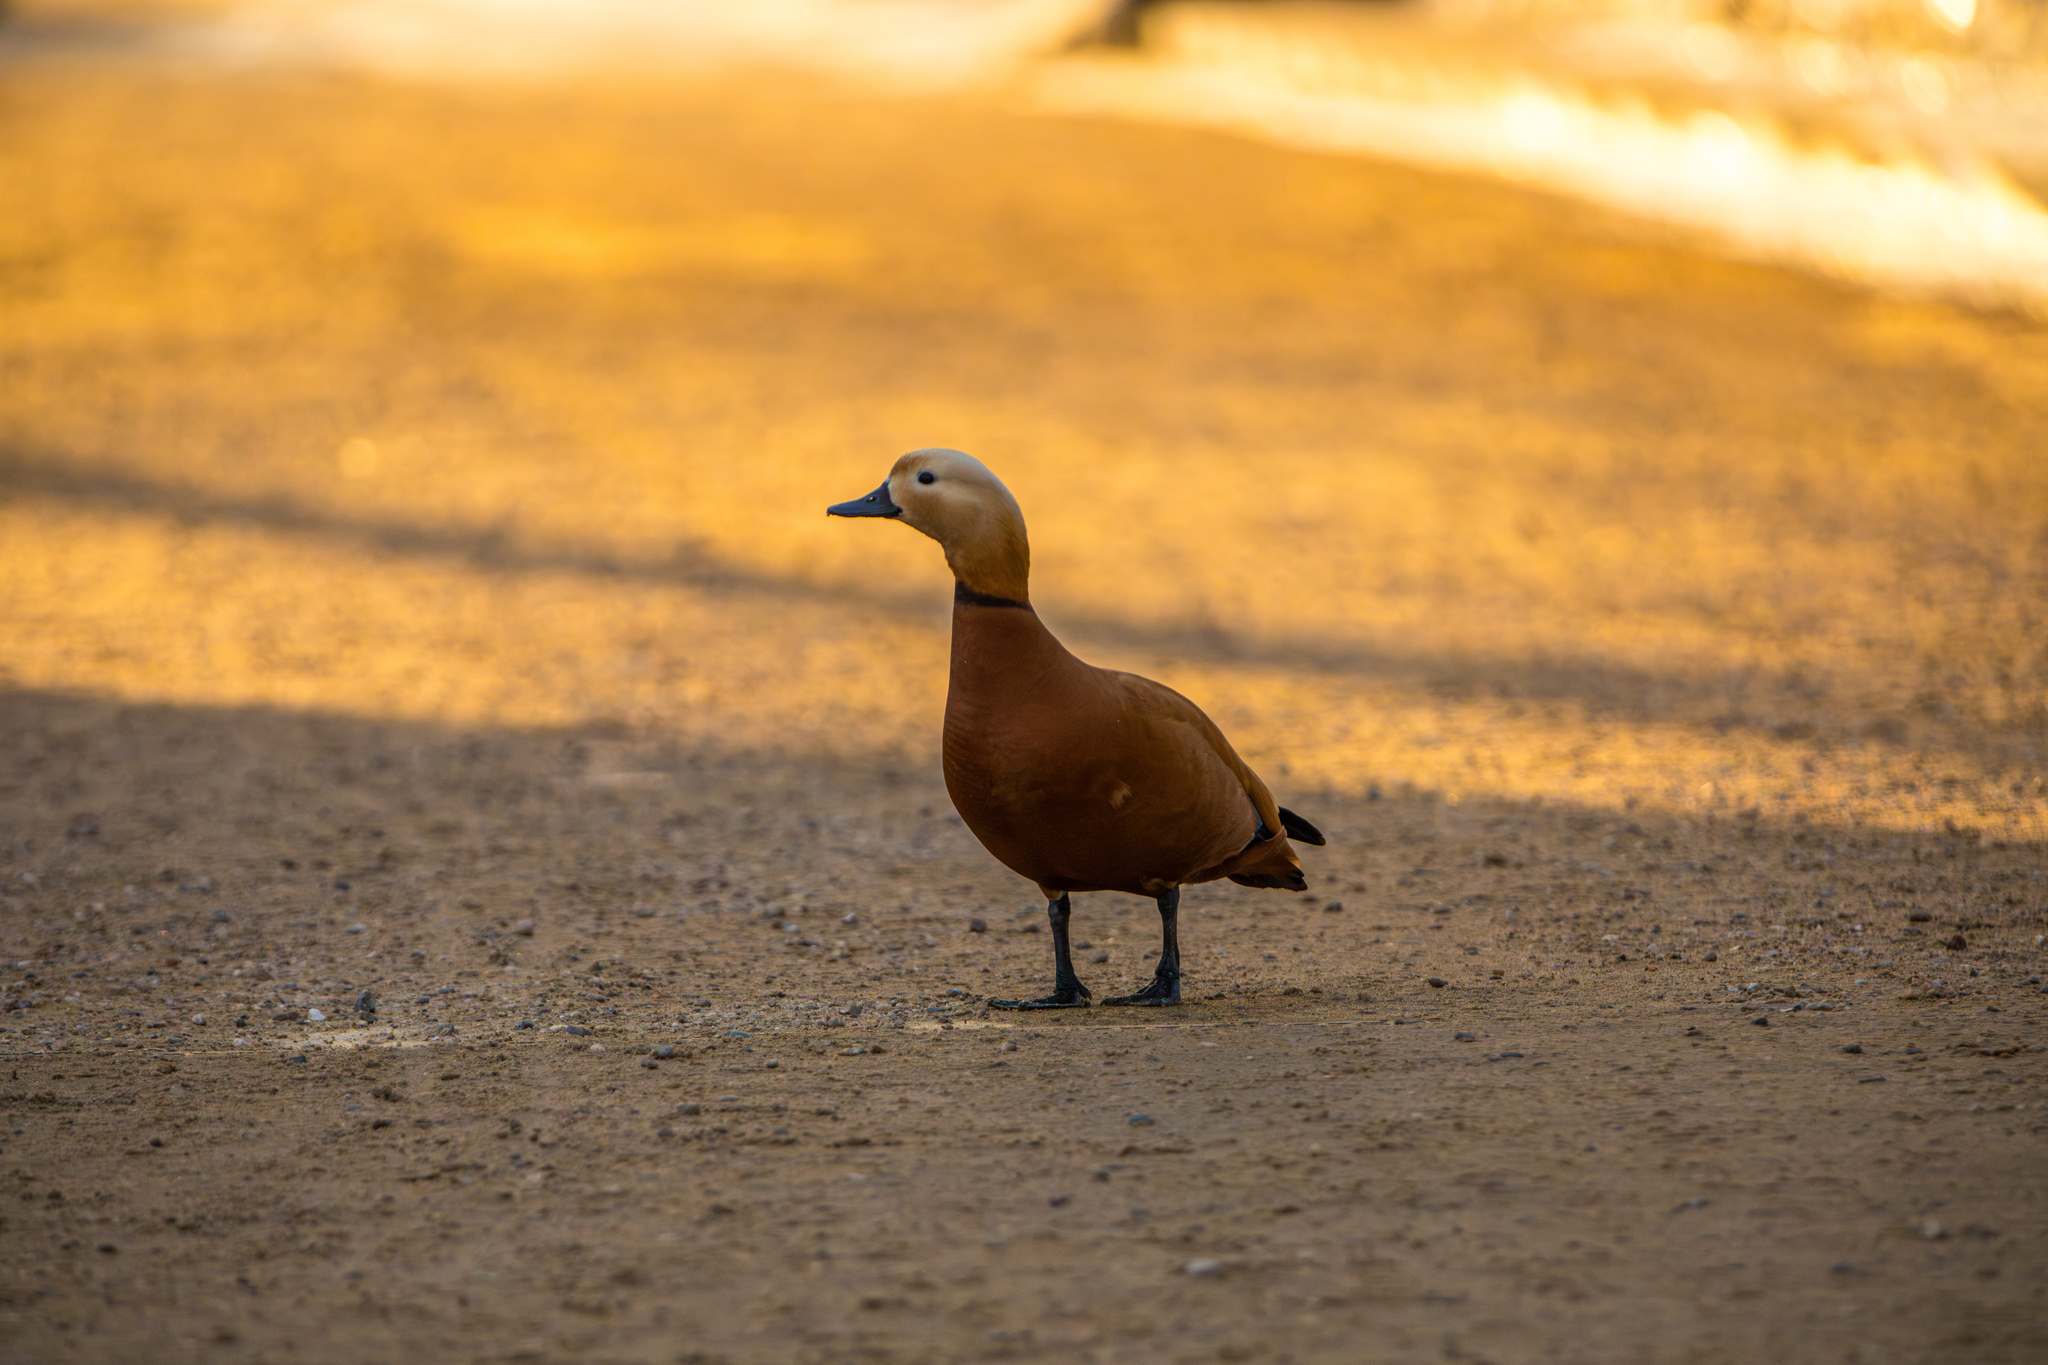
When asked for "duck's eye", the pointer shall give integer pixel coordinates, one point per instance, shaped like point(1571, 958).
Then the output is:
point(927, 477)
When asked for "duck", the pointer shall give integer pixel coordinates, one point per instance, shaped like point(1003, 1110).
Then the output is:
point(1077, 778)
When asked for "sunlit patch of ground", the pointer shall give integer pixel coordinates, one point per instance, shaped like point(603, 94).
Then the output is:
point(522, 408)
point(1869, 150)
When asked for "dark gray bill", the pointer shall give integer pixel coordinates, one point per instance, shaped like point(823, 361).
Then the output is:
point(875, 504)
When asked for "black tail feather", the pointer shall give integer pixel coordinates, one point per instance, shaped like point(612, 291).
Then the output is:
point(1300, 830)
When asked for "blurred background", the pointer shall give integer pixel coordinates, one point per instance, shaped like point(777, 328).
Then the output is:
point(1614, 402)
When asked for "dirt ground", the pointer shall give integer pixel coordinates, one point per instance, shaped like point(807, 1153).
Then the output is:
point(413, 582)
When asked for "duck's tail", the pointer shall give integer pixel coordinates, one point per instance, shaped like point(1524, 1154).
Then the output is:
point(1300, 830)
point(1270, 863)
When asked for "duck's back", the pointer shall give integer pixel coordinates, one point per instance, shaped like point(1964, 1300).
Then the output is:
point(1082, 778)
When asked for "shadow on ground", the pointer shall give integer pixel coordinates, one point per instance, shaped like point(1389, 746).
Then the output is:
point(1674, 1068)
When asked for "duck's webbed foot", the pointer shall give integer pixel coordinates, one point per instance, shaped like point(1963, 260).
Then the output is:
point(1164, 990)
point(1074, 997)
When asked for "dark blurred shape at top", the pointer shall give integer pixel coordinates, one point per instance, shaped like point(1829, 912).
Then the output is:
point(1119, 27)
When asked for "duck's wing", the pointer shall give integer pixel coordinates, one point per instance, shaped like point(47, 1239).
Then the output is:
point(1155, 702)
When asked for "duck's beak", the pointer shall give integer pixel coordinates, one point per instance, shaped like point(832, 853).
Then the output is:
point(875, 504)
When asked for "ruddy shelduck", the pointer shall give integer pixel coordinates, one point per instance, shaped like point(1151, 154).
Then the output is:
point(1075, 777)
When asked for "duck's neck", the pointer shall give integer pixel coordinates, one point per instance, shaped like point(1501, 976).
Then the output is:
point(991, 559)
point(1003, 657)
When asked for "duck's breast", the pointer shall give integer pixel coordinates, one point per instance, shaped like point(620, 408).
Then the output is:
point(1079, 778)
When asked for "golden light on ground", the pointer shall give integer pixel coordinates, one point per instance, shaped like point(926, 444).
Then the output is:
point(1732, 131)
point(517, 407)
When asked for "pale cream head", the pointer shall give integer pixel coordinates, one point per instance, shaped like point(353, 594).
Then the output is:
point(954, 499)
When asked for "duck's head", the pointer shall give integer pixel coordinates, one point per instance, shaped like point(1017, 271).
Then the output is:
point(954, 499)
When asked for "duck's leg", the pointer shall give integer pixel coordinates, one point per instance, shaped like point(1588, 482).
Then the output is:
point(1165, 987)
point(1067, 991)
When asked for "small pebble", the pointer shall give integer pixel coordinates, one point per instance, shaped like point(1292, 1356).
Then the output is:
point(315, 1015)
point(1931, 1230)
point(1202, 1268)
point(1762, 1021)
point(366, 1003)
point(198, 1018)
point(977, 926)
point(1957, 943)
point(597, 1049)
point(573, 1030)
point(647, 1062)
point(1334, 908)
point(1140, 1120)
point(848, 919)
point(1438, 982)
point(524, 928)
point(353, 929)
point(1099, 955)
point(1465, 1037)
point(664, 1052)
point(523, 1023)
point(1009, 1045)
point(1059, 1199)
point(1856, 1048)
point(772, 1063)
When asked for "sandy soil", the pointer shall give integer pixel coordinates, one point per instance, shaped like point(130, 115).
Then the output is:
point(414, 585)
point(1626, 1127)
